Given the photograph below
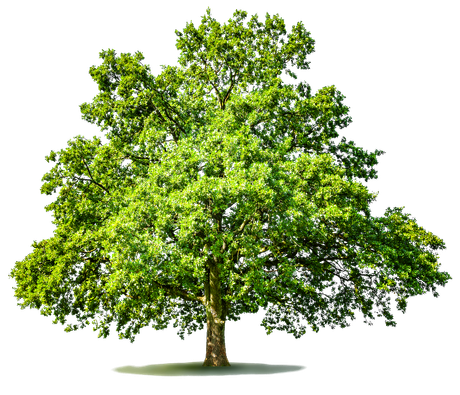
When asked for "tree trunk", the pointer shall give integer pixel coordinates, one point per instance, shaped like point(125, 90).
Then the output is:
point(216, 313)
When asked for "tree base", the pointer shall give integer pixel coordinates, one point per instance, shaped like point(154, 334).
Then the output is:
point(214, 363)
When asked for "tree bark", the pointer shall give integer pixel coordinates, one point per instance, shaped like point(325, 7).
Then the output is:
point(216, 313)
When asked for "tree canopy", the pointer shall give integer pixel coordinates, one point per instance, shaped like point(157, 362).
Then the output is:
point(220, 191)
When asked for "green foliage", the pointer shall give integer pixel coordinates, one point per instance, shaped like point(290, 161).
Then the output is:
point(219, 165)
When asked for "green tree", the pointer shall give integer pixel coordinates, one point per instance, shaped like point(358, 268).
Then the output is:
point(220, 191)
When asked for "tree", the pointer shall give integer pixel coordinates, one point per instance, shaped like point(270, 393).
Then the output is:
point(220, 191)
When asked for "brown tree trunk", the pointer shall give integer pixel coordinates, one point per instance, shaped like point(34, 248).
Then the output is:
point(216, 313)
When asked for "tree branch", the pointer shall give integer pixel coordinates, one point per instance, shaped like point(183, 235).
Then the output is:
point(92, 179)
